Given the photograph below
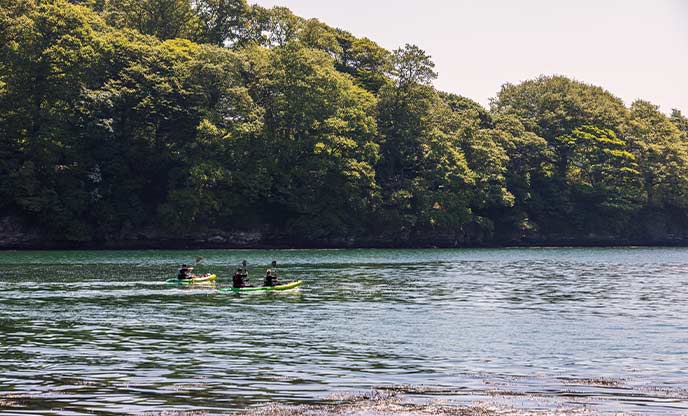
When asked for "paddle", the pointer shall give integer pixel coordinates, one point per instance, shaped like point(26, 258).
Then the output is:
point(197, 260)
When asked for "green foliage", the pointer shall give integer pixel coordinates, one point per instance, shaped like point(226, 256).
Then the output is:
point(426, 181)
point(275, 27)
point(186, 116)
point(601, 170)
point(680, 121)
point(221, 21)
point(317, 35)
point(164, 19)
point(364, 60)
point(320, 139)
point(571, 196)
point(555, 106)
point(410, 66)
point(662, 153)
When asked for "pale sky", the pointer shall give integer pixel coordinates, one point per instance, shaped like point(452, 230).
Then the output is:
point(633, 48)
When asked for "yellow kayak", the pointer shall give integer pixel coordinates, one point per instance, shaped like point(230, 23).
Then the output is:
point(197, 279)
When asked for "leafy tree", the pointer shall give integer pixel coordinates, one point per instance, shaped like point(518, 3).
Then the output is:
point(207, 185)
point(319, 139)
point(164, 19)
point(364, 60)
point(555, 106)
point(402, 109)
point(273, 27)
point(317, 35)
point(602, 172)
point(662, 154)
point(468, 107)
point(680, 121)
point(552, 108)
point(57, 55)
point(423, 171)
point(221, 21)
point(411, 65)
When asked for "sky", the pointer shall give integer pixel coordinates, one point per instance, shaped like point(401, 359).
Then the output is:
point(636, 49)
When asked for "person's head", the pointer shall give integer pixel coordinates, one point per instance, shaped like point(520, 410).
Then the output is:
point(239, 270)
point(184, 266)
point(269, 272)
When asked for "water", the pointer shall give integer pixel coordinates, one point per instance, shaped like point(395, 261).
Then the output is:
point(599, 330)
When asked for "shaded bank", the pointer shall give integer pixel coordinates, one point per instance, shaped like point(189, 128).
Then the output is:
point(14, 234)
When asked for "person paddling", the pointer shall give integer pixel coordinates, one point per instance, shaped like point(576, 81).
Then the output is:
point(270, 279)
point(185, 273)
point(240, 279)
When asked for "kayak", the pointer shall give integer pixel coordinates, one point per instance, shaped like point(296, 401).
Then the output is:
point(199, 279)
point(288, 286)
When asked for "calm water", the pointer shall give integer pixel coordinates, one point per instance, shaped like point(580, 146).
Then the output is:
point(598, 329)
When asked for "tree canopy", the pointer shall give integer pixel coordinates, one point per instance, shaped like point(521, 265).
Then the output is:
point(188, 116)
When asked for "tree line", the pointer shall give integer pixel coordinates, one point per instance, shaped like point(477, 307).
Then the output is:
point(193, 115)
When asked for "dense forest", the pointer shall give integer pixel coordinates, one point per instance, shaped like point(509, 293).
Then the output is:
point(181, 120)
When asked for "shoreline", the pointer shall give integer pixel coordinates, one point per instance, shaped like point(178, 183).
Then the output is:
point(194, 245)
point(16, 234)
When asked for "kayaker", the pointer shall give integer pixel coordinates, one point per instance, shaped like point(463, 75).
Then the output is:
point(270, 279)
point(240, 279)
point(185, 273)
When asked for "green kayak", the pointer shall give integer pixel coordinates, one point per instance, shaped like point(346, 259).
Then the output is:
point(199, 279)
point(288, 286)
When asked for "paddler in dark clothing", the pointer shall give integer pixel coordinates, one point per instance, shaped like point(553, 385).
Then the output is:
point(270, 279)
point(185, 273)
point(240, 279)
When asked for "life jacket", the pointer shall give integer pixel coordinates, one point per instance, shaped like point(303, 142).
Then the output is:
point(238, 280)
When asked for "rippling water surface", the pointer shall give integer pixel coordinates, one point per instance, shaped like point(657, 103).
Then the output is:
point(589, 330)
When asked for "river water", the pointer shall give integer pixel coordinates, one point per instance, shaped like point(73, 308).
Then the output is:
point(591, 331)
